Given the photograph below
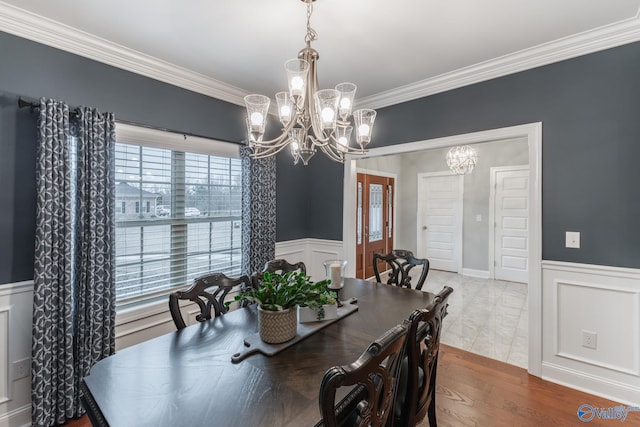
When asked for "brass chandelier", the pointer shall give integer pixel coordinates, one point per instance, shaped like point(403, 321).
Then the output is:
point(312, 118)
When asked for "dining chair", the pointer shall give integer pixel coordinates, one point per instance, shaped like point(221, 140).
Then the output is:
point(399, 263)
point(417, 386)
point(373, 380)
point(209, 292)
point(279, 266)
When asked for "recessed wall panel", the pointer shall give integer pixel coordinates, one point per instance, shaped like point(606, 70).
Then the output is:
point(610, 313)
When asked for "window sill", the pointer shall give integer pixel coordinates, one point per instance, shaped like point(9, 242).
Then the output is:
point(141, 311)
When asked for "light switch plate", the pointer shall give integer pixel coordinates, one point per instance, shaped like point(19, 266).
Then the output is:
point(572, 239)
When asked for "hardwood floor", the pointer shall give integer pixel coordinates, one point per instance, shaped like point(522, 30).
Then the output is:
point(477, 391)
point(473, 390)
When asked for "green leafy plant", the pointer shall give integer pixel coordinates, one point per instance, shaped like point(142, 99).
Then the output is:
point(279, 292)
point(323, 298)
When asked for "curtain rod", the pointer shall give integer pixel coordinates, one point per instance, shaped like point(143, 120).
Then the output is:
point(23, 103)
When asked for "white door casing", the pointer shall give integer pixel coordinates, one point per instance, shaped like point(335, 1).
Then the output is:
point(439, 222)
point(533, 133)
point(509, 213)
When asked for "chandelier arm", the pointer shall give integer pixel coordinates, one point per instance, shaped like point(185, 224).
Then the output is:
point(346, 149)
point(320, 142)
point(283, 136)
point(330, 152)
point(261, 152)
point(282, 143)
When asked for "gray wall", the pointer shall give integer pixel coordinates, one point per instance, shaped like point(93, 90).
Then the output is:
point(32, 70)
point(476, 193)
point(589, 107)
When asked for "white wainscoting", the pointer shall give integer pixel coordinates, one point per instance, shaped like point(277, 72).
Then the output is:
point(604, 300)
point(313, 252)
point(15, 345)
point(5, 386)
point(577, 297)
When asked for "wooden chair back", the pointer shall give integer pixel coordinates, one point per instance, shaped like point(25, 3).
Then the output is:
point(209, 292)
point(421, 363)
point(374, 378)
point(399, 263)
point(279, 266)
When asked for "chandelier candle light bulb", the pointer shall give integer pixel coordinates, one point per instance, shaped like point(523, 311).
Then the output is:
point(313, 119)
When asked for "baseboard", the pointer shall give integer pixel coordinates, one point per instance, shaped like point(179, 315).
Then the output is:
point(18, 417)
point(481, 274)
point(592, 384)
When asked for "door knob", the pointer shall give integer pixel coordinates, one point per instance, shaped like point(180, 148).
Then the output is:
point(424, 227)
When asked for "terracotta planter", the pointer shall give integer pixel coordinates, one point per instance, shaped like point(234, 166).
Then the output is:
point(276, 327)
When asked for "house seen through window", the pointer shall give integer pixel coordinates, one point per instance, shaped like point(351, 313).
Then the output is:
point(178, 212)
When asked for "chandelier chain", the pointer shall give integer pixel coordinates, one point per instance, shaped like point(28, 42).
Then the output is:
point(311, 33)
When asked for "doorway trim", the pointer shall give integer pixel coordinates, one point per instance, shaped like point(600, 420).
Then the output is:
point(419, 218)
point(533, 133)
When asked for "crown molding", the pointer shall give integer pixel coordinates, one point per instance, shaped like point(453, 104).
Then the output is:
point(605, 37)
point(30, 26)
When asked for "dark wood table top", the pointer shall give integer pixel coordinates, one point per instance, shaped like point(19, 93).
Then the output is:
point(186, 378)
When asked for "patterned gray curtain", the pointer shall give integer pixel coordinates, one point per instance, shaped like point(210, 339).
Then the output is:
point(94, 286)
point(258, 211)
point(73, 304)
point(52, 367)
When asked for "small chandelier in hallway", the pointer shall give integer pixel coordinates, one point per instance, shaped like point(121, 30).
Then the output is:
point(312, 118)
point(462, 159)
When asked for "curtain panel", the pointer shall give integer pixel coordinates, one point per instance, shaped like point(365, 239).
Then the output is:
point(74, 287)
point(258, 211)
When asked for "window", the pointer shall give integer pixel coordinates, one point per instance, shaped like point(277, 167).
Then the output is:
point(187, 206)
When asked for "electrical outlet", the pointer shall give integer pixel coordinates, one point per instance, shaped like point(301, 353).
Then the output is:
point(21, 368)
point(589, 339)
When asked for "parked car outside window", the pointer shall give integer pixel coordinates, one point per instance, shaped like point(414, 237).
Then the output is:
point(163, 210)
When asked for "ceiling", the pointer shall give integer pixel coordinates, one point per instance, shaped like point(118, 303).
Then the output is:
point(393, 50)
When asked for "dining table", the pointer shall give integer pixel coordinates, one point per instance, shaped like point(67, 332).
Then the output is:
point(187, 377)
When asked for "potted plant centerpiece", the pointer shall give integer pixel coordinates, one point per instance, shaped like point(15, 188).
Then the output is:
point(277, 296)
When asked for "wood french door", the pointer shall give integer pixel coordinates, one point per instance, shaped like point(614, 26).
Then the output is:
point(374, 220)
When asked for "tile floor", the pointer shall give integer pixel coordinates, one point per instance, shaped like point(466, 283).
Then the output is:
point(487, 317)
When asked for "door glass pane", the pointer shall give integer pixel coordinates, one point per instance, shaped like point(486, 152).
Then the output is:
point(359, 215)
point(390, 212)
point(375, 212)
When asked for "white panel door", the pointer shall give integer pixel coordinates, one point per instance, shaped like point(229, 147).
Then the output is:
point(440, 221)
point(511, 225)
